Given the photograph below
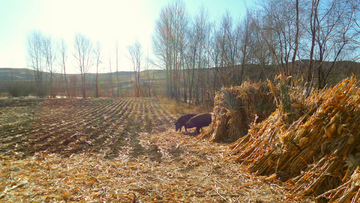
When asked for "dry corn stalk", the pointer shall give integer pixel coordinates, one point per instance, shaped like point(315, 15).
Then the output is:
point(313, 145)
point(236, 107)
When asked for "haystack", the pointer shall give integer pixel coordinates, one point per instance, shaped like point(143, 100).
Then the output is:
point(311, 142)
point(236, 107)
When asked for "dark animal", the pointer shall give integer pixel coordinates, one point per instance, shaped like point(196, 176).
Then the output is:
point(182, 120)
point(199, 121)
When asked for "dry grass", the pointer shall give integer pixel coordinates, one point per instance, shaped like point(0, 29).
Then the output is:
point(4, 94)
point(178, 107)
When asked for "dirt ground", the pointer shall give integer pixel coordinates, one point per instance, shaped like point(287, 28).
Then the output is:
point(116, 150)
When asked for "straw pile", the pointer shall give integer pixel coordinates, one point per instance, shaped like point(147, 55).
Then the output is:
point(309, 142)
point(236, 107)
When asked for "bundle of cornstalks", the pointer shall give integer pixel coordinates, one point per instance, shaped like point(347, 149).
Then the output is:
point(312, 144)
point(236, 107)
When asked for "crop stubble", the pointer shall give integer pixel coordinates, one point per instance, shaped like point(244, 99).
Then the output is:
point(77, 126)
point(59, 147)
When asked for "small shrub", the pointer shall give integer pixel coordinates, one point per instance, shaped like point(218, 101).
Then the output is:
point(20, 88)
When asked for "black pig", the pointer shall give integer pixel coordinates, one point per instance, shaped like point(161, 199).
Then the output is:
point(182, 120)
point(199, 121)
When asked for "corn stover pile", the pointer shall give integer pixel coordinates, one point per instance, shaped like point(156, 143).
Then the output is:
point(311, 141)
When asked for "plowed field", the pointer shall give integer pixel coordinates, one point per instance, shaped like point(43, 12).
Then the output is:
point(115, 150)
point(68, 127)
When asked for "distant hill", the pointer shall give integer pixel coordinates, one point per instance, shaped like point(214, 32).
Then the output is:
point(24, 74)
point(342, 69)
point(19, 74)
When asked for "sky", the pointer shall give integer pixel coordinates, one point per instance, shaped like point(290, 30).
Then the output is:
point(106, 21)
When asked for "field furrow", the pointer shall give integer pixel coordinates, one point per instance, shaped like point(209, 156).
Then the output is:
point(66, 127)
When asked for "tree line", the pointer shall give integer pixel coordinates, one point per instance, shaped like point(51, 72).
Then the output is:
point(44, 53)
point(302, 39)
point(294, 38)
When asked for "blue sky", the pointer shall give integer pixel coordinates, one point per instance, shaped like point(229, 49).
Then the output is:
point(105, 21)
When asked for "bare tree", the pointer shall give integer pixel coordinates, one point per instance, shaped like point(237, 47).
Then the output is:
point(330, 32)
point(35, 56)
point(50, 56)
point(136, 58)
point(98, 61)
point(296, 39)
point(259, 51)
point(313, 33)
point(271, 38)
point(356, 30)
point(210, 82)
point(169, 44)
point(196, 55)
point(63, 54)
point(193, 51)
point(202, 24)
point(83, 55)
point(214, 55)
point(161, 47)
point(117, 67)
point(226, 51)
point(244, 29)
point(227, 48)
point(111, 78)
point(148, 80)
point(333, 35)
point(280, 26)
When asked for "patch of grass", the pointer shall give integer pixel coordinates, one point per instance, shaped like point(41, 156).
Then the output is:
point(178, 107)
point(4, 94)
